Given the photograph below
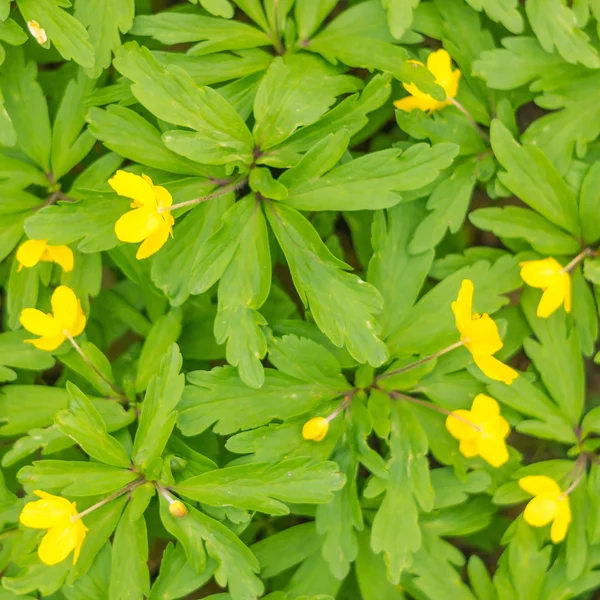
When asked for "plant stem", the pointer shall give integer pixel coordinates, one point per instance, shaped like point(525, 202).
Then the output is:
point(421, 361)
point(471, 120)
point(236, 185)
point(439, 409)
point(128, 488)
point(578, 472)
point(577, 260)
point(343, 405)
point(92, 365)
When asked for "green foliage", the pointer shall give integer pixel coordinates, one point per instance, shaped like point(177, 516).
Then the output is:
point(285, 364)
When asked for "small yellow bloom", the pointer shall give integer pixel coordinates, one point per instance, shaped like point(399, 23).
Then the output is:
point(149, 222)
point(178, 509)
point(480, 336)
point(440, 64)
point(65, 532)
point(549, 275)
point(66, 318)
point(31, 252)
point(315, 429)
point(37, 32)
point(549, 504)
point(486, 435)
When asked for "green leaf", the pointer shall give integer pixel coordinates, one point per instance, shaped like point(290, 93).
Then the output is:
point(265, 487)
point(400, 15)
point(589, 205)
point(525, 224)
point(82, 422)
point(15, 353)
point(77, 478)
point(130, 135)
point(94, 584)
point(129, 577)
point(76, 363)
point(448, 204)
point(159, 341)
point(243, 289)
point(177, 577)
point(309, 16)
point(531, 176)
point(396, 530)
point(219, 396)
point(555, 26)
point(64, 31)
point(320, 281)
point(236, 565)
point(220, 135)
point(261, 181)
point(24, 407)
point(104, 20)
point(31, 120)
point(359, 37)
point(217, 34)
point(372, 181)
point(501, 11)
point(158, 410)
point(295, 91)
point(557, 357)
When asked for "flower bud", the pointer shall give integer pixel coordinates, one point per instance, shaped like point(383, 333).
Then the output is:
point(178, 509)
point(315, 429)
point(37, 32)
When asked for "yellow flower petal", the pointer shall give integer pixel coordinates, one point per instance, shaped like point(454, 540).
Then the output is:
point(440, 64)
point(552, 299)
point(413, 102)
point(65, 308)
point(37, 32)
point(485, 407)
point(468, 448)
point(62, 255)
point(38, 323)
point(463, 306)
point(562, 519)
point(568, 293)
point(497, 427)
point(136, 225)
point(163, 197)
point(30, 252)
point(49, 342)
point(80, 322)
point(537, 273)
point(47, 512)
point(133, 186)
point(153, 243)
point(482, 335)
point(540, 511)
point(539, 485)
point(58, 543)
point(493, 450)
point(458, 428)
point(495, 369)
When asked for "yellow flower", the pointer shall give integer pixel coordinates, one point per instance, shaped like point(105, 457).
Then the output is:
point(31, 252)
point(149, 222)
point(178, 509)
point(315, 429)
point(67, 318)
point(549, 504)
point(37, 32)
point(440, 64)
point(57, 515)
point(486, 434)
point(480, 336)
point(549, 275)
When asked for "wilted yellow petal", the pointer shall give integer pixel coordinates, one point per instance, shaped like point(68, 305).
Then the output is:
point(37, 32)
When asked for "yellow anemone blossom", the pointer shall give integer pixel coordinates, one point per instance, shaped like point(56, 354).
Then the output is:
point(480, 336)
point(486, 435)
point(65, 532)
point(37, 32)
point(549, 275)
point(66, 319)
point(31, 252)
point(315, 429)
point(440, 64)
point(549, 504)
point(149, 222)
